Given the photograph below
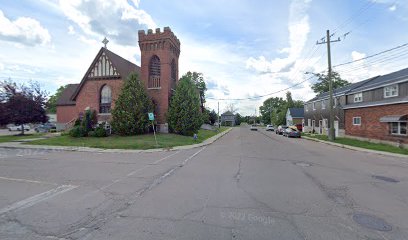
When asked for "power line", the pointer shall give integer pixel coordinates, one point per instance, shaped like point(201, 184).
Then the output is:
point(260, 96)
point(371, 56)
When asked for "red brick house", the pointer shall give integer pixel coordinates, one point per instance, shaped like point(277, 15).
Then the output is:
point(378, 109)
point(102, 82)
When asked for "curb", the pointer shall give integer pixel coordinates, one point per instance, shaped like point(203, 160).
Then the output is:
point(19, 145)
point(357, 148)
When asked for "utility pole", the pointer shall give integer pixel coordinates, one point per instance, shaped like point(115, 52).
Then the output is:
point(331, 120)
point(218, 115)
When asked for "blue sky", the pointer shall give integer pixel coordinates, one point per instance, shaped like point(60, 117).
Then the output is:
point(244, 48)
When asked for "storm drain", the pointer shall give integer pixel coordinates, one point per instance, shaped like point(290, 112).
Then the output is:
point(372, 222)
point(303, 164)
point(386, 179)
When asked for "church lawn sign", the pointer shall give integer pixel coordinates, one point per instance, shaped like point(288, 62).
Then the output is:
point(141, 142)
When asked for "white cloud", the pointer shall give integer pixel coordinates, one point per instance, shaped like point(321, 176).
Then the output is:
point(393, 8)
point(71, 30)
point(23, 30)
point(1, 66)
point(357, 55)
point(299, 29)
point(117, 19)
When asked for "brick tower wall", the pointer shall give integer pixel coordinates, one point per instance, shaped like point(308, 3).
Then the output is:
point(166, 46)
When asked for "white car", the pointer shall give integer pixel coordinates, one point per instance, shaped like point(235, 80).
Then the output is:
point(269, 128)
point(18, 128)
point(253, 128)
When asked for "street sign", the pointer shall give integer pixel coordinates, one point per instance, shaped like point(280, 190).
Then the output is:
point(151, 116)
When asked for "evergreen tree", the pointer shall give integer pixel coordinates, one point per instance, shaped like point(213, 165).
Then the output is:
point(184, 115)
point(130, 115)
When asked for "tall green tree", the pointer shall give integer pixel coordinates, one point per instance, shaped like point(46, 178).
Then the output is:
point(270, 109)
point(130, 114)
point(322, 84)
point(213, 117)
point(198, 80)
point(52, 101)
point(289, 100)
point(184, 115)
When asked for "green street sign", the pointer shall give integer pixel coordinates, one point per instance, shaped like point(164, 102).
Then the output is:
point(151, 116)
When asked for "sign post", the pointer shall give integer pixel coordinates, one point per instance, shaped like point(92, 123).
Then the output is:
point(151, 118)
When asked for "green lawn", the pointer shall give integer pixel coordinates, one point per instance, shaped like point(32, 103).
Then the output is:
point(131, 142)
point(9, 138)
point(362, 144)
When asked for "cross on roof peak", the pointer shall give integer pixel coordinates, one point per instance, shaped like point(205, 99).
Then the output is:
point(105, 41)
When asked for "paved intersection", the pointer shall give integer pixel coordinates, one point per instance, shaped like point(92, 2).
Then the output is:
point(246, 185)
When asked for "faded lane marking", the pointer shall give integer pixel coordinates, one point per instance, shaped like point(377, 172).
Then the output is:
point(31, 201)
point(127, 175)
point(26, 181)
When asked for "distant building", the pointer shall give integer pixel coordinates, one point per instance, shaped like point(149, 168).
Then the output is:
point(294, 116)
point(228, 119)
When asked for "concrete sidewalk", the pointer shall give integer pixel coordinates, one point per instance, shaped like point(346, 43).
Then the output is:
point(19, 145)
point(357, 148)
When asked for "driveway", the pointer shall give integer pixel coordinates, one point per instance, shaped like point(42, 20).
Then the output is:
point(246, 185)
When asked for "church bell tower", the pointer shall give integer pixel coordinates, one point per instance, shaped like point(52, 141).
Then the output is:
point(160, 53)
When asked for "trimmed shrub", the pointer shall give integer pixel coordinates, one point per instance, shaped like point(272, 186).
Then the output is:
point(91, 134)
point(78, 131)
point(100, 132)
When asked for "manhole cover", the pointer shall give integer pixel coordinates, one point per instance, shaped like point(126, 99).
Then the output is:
point(386, 179)
point(372, 222)
point(303, 164)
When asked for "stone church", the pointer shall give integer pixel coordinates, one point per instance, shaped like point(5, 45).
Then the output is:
point(102, 82)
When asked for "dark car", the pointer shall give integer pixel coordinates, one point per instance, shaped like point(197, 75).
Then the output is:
point(292, 132)
point(280, 129)
point(46, 127)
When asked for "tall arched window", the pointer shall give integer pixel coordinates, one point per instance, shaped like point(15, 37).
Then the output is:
point(154, 72)
point(106, 99)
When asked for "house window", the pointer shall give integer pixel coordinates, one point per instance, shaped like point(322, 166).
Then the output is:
point(323, 104)
point(106, 99)
point(154, 72)
point(358, 97)
point(314, 105)
point(309, 122)
point(391, 91)
point(357, 121)
point(398, 128)
point(306, 108)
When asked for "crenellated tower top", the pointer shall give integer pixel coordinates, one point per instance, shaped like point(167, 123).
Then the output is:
point(151, 41)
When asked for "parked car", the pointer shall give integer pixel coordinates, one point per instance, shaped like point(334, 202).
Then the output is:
point(46, 127)
point(18, 128)
point(280, 129)
point(253, 128)
point(292, 131)
point(269, 128)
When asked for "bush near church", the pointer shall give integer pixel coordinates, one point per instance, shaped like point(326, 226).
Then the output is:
point(184, 115)
point(88, 126)
point(130, 115)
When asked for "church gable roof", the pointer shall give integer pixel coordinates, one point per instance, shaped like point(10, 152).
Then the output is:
point(107, 65)
point(65, 97)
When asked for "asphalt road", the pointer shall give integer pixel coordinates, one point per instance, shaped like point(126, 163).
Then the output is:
point(246, 185)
